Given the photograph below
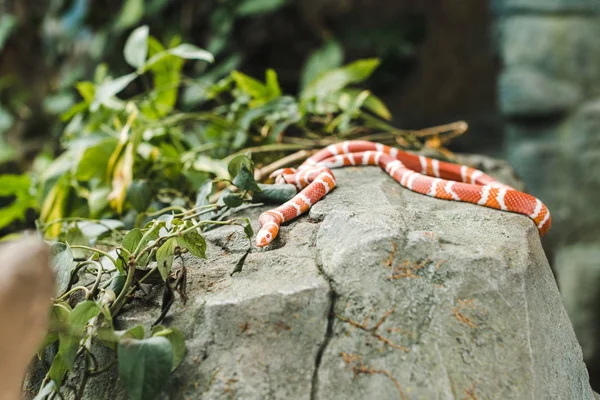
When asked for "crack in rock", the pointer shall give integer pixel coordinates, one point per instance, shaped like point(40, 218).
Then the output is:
point(328, 332)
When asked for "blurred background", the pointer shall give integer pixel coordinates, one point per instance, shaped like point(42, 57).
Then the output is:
point(524, 74)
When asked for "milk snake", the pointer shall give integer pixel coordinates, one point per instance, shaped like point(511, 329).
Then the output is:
point(434, 178)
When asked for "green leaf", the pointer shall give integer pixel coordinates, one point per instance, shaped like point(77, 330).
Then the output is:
point(371, 103)
point(7, 24)
point(244, 180)
point(74, 237)
point(237, 162)
point(260, 93)
point(194, 242)
point(249, 85)
point(110, 88)
point(130, 243)
point(132, 240)
point(93, 229)
point(54, 205)
point(337, 79)
point(137, 332)
point(82, 313)
point(191, 52)
point(87, 90)
point(252, 7)
point(177, 340)
point(164, 257)
point(204, 192)
point(58, 319)
point(139, 194)
point(240, 264)
point(74, 331)
point(131, 13)
point(166, 77)
point(58, 369)
point(272, 83)
point(211, 165)
point(93, 162)
point(98, 200)
point(111, 337)
point(136, 47)
point(232, 199)
point(279, 193)
point(62, 263)
point(16, 186)
point(144, 366)
point(118, 283)
point(326, 58)
point(248, 228)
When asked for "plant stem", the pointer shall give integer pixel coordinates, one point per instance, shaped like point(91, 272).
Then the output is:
point(111, 258)
point(75, 289)
point(120, 301)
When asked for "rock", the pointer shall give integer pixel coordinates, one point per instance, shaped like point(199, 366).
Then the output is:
point(524, 92)
point(578, 274)
point(26, 289)
point(378, 293)
point(560, 163)
point(564, 48)
point(544, 6)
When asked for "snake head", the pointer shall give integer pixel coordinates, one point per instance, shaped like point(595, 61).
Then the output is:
point(263, 238)
point(267, 233)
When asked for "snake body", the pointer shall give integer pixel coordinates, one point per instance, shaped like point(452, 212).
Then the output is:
point(431, 177)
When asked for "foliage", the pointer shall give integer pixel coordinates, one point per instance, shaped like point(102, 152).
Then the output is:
point(140, 179)
point(154, 150)
point(18, 188)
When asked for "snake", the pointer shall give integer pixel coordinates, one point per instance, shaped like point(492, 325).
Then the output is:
point(314, 178)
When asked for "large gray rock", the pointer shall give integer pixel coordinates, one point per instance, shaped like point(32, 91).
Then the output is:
point(565, 48)
point(524, 92)
point(379, 293)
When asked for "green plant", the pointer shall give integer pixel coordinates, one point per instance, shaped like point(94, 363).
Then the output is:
point(140, 180)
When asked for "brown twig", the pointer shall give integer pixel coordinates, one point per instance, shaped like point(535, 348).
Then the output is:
point(453, 129)
point(294, 158)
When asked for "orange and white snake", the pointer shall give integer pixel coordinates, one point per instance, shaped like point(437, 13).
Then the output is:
point(434, 178)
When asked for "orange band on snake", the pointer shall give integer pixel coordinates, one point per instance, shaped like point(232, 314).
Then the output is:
point(434, 178)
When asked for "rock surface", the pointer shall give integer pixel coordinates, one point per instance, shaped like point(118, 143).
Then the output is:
point(547, 6)
point(560, 163)
point(379, 293)
point(578, 273)
point(523, 92)
point(564, 48)
point(551, 138)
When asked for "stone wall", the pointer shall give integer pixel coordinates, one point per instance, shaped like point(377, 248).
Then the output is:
point(549, 94)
